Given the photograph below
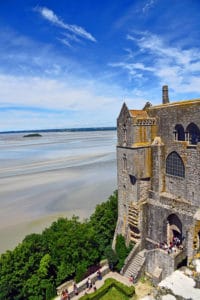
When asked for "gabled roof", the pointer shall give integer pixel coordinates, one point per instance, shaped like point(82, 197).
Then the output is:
point(133, 113)
point(124, 110)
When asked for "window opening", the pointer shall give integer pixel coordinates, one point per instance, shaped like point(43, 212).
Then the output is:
point(132, 179)
point(194, 133)
point(174, 165)
point(124, 133)
point(124, 162)
point(179, 133)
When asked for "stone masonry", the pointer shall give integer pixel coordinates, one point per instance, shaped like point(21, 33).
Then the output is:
point(158, 161)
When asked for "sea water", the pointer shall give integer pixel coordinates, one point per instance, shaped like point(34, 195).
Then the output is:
point(59, 174)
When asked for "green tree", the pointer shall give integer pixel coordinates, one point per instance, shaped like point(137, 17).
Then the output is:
point(44, 266)
point(63, 251)
point(111, 256)
point(121, 250)
point(104, 220)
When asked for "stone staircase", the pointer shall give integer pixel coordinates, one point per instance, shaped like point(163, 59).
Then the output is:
point(136, 265)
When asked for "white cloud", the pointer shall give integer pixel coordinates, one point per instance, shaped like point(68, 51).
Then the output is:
point(36, 102)
point(155, 45)
point(72, 37)
point(65, 42)
point(49, 93)
point(148, 5)
point(49, 15)
point(172, 65)
point(132, 67)
point(53, 94)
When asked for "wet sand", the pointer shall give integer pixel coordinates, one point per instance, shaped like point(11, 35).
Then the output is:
point(33, 194)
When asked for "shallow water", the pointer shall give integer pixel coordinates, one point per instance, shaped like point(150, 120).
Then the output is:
point(58, 174)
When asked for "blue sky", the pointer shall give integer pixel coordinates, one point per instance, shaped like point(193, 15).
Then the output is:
point(72, 63)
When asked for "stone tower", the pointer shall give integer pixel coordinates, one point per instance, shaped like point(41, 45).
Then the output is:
point(158, 162)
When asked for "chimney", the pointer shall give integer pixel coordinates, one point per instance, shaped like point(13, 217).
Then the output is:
point(165, 97)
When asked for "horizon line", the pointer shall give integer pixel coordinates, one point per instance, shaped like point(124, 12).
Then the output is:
point(102, 128)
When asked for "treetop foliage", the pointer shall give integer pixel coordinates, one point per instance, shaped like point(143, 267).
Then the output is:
point(62, 252)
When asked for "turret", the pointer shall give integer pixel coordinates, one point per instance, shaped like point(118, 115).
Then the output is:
point(165, 96)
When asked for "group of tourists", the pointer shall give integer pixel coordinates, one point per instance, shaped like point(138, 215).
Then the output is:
point(174, 245)
point(65, 294)
point(89, 285)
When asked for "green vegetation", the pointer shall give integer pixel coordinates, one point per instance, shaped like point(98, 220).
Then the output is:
point(122, 251)
point(32, 135)
point(111, 256)
point(112, 289)
point(62, 252)
point(113, 293)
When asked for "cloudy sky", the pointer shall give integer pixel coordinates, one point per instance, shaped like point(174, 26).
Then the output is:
point(72, 63)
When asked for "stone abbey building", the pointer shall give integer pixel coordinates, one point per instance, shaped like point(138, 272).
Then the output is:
point(158, 161)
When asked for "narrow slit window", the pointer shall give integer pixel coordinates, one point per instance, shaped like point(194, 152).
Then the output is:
point(124, 134)
point(124, 162)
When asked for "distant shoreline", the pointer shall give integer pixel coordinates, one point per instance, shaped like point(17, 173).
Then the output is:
point(61, 130)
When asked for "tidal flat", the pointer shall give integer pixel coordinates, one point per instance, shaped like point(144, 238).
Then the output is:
point(60, 174)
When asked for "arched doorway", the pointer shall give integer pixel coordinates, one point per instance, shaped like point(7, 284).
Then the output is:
point(174, 228)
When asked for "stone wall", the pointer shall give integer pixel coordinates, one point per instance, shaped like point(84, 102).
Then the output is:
point(189, 186)
point(137, 166)
point(158, 258)
point(155, 224)
point(145, 139)
point(169, 115)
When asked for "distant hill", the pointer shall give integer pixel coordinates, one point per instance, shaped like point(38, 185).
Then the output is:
point(32, 135)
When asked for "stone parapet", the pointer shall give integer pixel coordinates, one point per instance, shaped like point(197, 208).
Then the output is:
point(81, 286)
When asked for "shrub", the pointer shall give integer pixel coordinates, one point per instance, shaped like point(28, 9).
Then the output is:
point(111, 256)
point(80, 271)
point(109, 283)
point(121, 250)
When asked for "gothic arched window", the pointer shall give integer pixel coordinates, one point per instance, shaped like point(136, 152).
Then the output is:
point(175, 165)
point(180, 134)
point(194, 133)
